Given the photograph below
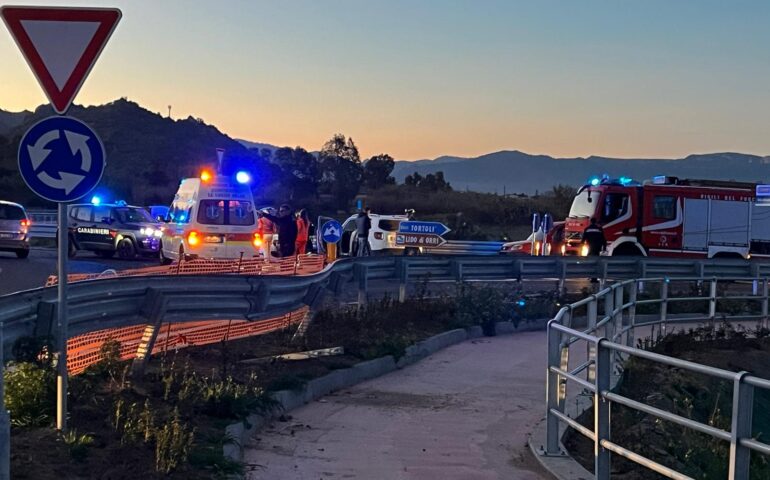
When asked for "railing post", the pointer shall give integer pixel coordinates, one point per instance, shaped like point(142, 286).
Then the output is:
point(618, 317)
point(632, 292)
point(564, 361)
point(743, 402)
point(552, 392)
point(713, 299)
point(663, 306)
point(609, 306)
point(602, 411)
point(591, 314)
point(764, 302)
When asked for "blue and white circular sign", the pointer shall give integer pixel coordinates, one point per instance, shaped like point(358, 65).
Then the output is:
point(61, 159)
point(331, 232)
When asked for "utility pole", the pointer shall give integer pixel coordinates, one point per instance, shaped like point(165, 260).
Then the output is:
point(169, 111)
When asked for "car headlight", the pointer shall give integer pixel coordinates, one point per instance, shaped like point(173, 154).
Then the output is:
point(158, 233)
point(584, 250)
point(148, 231)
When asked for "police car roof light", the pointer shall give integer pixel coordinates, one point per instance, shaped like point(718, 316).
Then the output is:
point(242, 177)
point(96, 200)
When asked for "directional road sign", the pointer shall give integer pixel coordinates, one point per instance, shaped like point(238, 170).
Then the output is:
point(434, 228)
point(331, 232)
point(419, 239)
point(61, 159)
point(763, 195)
point(60, 45)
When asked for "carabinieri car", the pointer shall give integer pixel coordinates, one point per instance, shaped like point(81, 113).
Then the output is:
point(107, 229)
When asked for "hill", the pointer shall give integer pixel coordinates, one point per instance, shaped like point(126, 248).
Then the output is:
point(515, 171)
point(147, 154)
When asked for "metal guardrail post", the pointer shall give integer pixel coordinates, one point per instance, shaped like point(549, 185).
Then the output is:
point(603, 273)
point(743, 402)
point(361, 273)
point(402, 273)
point(602, 411)
point(562, 277)
point(663, 306)
point(713, 299)
point(552, 392)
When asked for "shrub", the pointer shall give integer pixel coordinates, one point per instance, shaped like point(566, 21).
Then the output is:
point(30, 394)
point(172, 444)
point(78, 444)
point(483, 306)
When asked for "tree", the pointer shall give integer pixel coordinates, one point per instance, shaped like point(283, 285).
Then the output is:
point(341, 169)
point(413, 180)
point(300, 172)
point(377, 171)
point(434, 182)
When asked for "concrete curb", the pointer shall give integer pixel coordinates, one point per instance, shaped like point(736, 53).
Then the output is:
point(288, 400)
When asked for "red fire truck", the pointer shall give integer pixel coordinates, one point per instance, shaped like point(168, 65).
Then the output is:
point(671, 217)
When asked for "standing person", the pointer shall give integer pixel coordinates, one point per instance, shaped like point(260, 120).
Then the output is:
point(266, 229)
point(363, 225)
point(303, 230)
point(287, 229)
point(593, 236)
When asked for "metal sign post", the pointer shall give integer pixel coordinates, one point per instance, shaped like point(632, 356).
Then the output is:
point(61, 321)
point(5, 419)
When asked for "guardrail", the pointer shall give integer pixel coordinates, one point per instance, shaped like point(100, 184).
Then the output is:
point(465, 247)
point(608, 340)
point(115, 302)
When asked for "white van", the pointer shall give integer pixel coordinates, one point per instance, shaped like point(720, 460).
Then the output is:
point(382, 236)
point(211, 217)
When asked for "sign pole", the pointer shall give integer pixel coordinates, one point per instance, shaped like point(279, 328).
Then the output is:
point(61, 317)
point(5, 418)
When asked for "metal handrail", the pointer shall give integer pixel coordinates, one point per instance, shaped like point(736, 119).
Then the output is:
point(606, 352)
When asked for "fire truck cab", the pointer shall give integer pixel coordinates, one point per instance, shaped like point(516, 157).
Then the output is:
point(671, 217)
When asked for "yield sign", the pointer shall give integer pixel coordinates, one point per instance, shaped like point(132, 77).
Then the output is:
point(60, 45)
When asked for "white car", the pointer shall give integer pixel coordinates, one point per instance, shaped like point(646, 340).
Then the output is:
point(382, 236)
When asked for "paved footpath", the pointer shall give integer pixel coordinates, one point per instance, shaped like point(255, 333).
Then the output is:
point(462, 414)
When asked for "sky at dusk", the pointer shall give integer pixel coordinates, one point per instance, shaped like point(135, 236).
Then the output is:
point(418, 79)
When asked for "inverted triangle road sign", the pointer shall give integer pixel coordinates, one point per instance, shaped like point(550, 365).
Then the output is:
point(60, 45)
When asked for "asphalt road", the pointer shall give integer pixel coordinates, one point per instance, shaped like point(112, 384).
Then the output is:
point(464, 413)
point(32, 272)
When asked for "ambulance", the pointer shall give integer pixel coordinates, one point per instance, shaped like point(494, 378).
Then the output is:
point(212, 217)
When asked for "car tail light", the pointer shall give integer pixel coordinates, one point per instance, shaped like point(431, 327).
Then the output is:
point(257, 240)
point(25, 223)
point(193, 239)
point(113, 233)
point(378, 235)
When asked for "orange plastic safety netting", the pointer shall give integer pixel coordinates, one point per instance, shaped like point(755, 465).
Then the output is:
point(299, 265)
point(84, 350)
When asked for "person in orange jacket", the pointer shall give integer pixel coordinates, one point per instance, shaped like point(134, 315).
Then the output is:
point(303, 230)
point(266, 229)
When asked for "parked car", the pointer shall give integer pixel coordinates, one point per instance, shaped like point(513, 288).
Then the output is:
point(107, 229)
point(382, 236)
point(14, 229)
point(554, 242)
